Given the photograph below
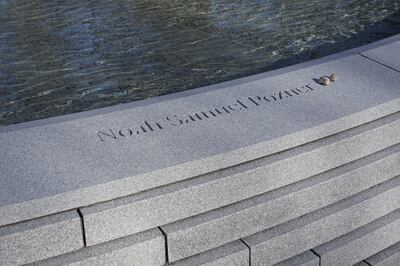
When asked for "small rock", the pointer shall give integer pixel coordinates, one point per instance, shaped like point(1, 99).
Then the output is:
point(324, 81)
point(333, 77)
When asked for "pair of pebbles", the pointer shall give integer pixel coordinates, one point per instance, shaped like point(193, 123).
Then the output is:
point(326, 80)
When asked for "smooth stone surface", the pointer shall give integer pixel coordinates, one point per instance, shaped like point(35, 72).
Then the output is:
point(362, 242)
point(40, 239)
point(232, 254)
point(387, 257)
point(40, 157)
point(143, 249)
point(299, 235)
point(221, 226)
point(140, 212)
point(307, 258)
point(388, 55)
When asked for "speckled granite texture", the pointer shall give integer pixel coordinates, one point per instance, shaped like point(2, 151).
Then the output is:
point(270, 169)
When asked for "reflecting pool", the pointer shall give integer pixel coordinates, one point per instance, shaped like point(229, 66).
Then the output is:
point(59, 57)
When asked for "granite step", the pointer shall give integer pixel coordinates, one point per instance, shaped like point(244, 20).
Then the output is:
point(387, 257)
point(206, 231)
point(143, 249)
point(309, 231)
point(231, 254)
point(307, 258)
point(362, 242)
point(142, 211)
point(40, 238)
point(361, 263)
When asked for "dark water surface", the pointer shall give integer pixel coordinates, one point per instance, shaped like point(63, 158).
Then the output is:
point(59, 57)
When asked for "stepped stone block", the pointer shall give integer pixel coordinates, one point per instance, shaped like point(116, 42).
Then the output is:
point(361, 263)
point(104, 155)
point(307, 258)
point(296, 236)
point(387, 54)
point(387, 257)
point(40, 238)
point(119, 218)
point(143, 249)
point(362, 242)
point(232, 254)
point(261, 170)
point(206, 231)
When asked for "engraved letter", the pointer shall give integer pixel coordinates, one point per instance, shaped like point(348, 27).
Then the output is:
point(254, 101)
point(111, 135)
point(129, 131)
point(244, 106)
point(235, 107)
point(175, 117)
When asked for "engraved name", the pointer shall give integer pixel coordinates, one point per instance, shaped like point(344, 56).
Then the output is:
point(237, 105)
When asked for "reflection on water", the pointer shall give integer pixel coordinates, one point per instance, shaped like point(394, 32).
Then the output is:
point(59, 57)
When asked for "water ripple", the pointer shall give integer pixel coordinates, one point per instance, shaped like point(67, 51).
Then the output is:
point(60, 57)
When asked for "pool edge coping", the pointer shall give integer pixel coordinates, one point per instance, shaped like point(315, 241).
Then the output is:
point(203, 89)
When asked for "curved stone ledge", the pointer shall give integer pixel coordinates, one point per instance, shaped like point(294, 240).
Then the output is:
point(96, 158)
point(276, 159)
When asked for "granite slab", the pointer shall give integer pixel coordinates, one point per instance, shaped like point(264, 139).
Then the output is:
point(65, 164)
point(361, 263)
point(307, 258)
point(143, 249)
point(126, 216)
point(206, 231)
point(362, 242)
point(301, 234)
point(388, 55)
point(232, 254)
point(387, 257)
point(41, 238)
